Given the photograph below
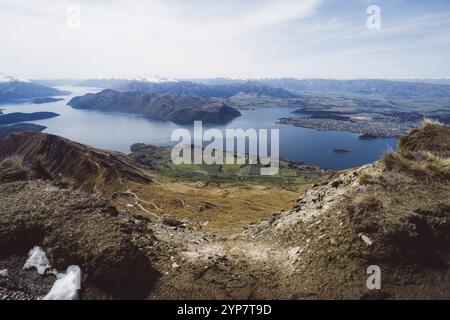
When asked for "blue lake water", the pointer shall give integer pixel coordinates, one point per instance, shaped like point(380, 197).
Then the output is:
point(118, 131)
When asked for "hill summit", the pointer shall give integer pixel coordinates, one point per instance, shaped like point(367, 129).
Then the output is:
point(67, 163)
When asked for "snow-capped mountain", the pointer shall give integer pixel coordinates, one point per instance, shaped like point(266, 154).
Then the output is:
point(7, 78)
point(13, 89)
point(152, 79)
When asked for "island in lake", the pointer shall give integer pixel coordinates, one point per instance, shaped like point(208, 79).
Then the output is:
point(19, 127)
point(46, 100)
point(340, 150)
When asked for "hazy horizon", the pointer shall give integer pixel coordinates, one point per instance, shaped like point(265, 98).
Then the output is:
point(161, 78)
point(309, 39)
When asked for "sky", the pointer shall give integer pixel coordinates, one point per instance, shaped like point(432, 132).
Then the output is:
point(225, 38)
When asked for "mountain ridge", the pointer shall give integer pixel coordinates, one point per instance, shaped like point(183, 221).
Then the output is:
point(15, 90)
point(224, 91)
point(68, 163)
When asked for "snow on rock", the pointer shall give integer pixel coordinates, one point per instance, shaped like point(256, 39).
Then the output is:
point(154, 79)
point(6, 78)
point(4, 273)
point(37, 259)
point(66, 287)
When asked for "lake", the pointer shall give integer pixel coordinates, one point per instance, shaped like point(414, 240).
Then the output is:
point(118, 131)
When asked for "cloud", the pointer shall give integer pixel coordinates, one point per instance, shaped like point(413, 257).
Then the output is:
point(204, 38)
point(278, 11)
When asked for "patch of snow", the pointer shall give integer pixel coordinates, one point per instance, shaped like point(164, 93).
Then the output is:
point(67, 286)
point(57, 274)
point(37, 259)
point(3, 273)
point(5, 78)
point(153, 79)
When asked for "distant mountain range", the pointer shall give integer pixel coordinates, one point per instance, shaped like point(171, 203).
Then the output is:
point(363, 94)
point(269, 87)
point(216, 89)
point(386, 88)
point(279, 87)
point(102, 83)
point(188, 88)
point(445, 81)
point(13, 89)
point(157, 106)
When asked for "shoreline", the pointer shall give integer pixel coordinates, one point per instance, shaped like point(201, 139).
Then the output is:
point(366, 130)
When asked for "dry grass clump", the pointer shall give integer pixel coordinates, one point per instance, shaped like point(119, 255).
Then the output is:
point(430, 122)
point(424, 152)
point(367, 203)
point(366, 179)
point(419, 163)
point(433, 137)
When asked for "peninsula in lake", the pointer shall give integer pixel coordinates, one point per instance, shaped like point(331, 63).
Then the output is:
point(16, 117)
point(20, 127)
point(157, 106)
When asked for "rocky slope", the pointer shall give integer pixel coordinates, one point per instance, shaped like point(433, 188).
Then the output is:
point(75, 229)
point(394, 214)
point(157, 106)
point(52, 194)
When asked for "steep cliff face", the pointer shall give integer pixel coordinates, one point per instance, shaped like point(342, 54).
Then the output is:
point(157, 106)
point(72, 164)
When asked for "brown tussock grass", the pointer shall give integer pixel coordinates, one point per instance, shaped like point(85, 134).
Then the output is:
point(367, 203)
point(422, 152)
